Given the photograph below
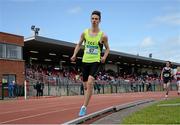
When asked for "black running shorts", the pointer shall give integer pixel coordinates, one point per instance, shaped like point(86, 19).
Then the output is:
point(166, 80)
point(90, 69)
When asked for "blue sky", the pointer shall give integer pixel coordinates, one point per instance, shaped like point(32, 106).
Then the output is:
point(133, 26)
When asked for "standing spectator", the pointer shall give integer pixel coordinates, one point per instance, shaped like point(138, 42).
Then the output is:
point(132, 88)
point(38, 89)
point(11, 89)
point(42, 89)
point(147, 85)
point(82, 89)
point(143, 83)
point(140, 84)
point(16, 89)
point(97, 87)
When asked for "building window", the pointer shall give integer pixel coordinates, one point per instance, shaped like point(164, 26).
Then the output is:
point(10, 51)
point(2, 50)
point(14, 52)
point(9, 78)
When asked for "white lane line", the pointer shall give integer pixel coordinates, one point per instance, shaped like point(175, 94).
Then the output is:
point(31, 109)
point(31, 116)
point(163, 105)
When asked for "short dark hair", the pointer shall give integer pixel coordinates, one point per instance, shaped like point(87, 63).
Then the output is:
point(169, 63)
point(96, 12)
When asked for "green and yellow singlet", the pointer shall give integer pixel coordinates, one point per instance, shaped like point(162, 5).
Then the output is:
point(92, 51)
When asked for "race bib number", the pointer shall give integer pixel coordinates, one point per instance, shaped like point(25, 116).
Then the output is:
point(166, 75)
point(92, 50)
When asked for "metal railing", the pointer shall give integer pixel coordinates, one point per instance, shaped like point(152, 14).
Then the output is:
point(99, 88)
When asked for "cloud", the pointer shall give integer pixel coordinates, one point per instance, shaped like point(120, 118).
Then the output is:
point(75, 10)
point(170, 19)
point(166, 49)
point(147, 42)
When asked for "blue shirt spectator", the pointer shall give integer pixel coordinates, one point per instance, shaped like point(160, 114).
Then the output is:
point(11, 89)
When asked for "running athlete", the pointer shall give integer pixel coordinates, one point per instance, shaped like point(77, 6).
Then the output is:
point(177, 77)
point(166, 77)
point(93, 39)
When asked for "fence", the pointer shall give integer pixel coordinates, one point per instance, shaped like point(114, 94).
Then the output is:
point(101, 87)
point(77, 89)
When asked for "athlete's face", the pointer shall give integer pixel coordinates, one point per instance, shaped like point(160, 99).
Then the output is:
point(95, 19)
point(167, 64)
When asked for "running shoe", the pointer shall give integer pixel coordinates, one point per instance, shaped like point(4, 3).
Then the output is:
point(82, 111)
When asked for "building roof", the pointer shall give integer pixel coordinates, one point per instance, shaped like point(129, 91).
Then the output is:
point(62, 49)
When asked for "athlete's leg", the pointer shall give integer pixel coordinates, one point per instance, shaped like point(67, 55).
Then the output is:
point(92, 74)
point(89, 78)
point(85, 75)
point(165, 86)
point(89, 91)
point(167, 90)
point(87, 95)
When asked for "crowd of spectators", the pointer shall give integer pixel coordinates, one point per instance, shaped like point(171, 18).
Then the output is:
point(55, 76)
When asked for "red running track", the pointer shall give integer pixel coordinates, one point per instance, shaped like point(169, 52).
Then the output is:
point(59, 110)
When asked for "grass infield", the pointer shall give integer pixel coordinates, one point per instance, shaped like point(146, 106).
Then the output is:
point(163, 112)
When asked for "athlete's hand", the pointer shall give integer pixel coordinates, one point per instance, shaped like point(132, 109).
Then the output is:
point(103, 59)
point(161, 79)
point(73, 58)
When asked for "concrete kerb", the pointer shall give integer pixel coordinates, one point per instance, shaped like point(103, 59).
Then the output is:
point(110, 109)
point(90, 116)
point(132, 104)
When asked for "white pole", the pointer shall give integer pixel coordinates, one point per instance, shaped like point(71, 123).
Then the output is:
point(25, 90)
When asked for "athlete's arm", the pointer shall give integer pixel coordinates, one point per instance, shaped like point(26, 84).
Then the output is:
point(106, 44)
point(78, 47)
point(162, 74)
point(172, 73)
